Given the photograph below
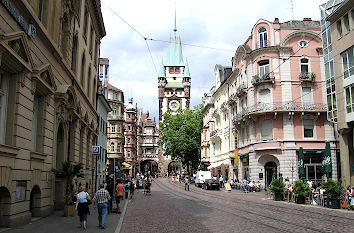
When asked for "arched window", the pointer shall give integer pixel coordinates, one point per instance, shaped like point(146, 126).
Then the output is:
point(83, 61)
point(267, 130)
point(262, 38)
point(112, 146)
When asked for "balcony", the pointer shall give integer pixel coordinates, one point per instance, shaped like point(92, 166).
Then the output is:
point(232, 98)
point(262, 44)
point(261, 108)
point(215, 133)
point(307, 77)
point(224, 105)
point(215, 113)
point(242, 89)
point(268, 77)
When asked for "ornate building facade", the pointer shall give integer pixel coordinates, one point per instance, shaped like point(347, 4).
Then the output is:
point(49, 60)
point(115, 131)
point(278, 102)
point(131, 139)
point(208, 126)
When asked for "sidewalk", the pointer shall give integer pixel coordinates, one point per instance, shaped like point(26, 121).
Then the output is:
point(57, 223)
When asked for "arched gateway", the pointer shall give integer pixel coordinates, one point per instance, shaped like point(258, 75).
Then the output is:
point(149, 165)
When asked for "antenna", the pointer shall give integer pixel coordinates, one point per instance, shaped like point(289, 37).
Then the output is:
point(292, 8)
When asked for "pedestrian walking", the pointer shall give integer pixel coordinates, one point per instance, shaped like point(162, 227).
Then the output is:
point(131, 188)
point(101, 199)
point(186, 184)
point(221, 181)
point(82, 206)
point(110, 189)
point(120, 192)
point(126, 189)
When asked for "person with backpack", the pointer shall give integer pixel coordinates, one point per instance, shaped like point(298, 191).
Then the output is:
point(126, 189)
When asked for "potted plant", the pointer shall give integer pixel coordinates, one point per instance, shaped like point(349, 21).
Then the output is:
point(333, 191)
point(277, 187)
point(68, 172)
point(301, 190)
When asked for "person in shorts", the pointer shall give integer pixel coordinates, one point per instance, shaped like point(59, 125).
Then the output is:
point(120, 193)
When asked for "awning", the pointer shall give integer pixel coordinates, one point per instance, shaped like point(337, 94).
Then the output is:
point(126, 165)
point(214, 165)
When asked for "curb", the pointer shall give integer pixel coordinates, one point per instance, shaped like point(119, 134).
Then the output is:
point(120, 223)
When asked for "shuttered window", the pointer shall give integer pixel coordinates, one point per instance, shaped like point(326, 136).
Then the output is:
point(309, 126)
point(267, 130)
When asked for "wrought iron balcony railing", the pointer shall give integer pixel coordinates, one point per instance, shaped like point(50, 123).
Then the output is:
point(280, 107)
point(307, 76)
point(268, 77)
point(242, 89)
point(215, 133)
point(262, 44)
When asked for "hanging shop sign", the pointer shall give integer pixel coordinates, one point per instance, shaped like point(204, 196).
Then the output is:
point(29, 28)
point(236, 146)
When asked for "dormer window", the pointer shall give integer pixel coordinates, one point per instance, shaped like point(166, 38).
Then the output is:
point(262, 38)
point(174, 70)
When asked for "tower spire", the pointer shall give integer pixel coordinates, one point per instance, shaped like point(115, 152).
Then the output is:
point(175, 26)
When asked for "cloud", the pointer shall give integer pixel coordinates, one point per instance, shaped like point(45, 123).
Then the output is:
point(219, 24)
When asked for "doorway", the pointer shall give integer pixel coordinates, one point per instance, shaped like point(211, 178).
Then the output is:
point(270, 172)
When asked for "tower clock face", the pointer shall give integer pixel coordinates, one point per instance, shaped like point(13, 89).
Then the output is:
point(174, 105)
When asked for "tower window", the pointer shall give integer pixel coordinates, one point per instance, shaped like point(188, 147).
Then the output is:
point(174, 70)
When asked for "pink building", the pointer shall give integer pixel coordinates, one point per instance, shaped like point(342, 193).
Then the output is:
point(278, 102)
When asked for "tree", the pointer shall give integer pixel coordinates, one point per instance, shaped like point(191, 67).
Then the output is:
point(69, 171)
point(181, 136)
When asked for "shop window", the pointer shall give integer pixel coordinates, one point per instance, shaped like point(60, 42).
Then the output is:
point(309, 126)
point(267, 130)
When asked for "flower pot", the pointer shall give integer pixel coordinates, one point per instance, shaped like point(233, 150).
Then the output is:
point(278, 196)
point(300, 200)
point(69, 210)
point(334, 203)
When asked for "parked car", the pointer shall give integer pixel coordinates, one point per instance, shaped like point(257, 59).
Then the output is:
point(201, 177)
point(211, 184)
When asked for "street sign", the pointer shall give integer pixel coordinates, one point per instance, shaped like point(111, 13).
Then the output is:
point(96, 150)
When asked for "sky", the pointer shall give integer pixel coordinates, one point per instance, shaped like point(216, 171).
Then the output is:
point(220, 25)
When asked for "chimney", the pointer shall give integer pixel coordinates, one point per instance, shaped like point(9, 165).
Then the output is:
point(276, 20)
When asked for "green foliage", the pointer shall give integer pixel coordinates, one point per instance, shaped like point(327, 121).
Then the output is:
point(181, 135)
point(333, 188)
point(277, 186)
point(69, 171)
point(302, 188)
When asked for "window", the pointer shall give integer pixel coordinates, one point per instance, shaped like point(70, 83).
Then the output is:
point(92, 39)
point(112, 146)
point(349, 98)
point(4, 85)
point(128, 140)
point(348, 62)
point(262, 38)
point(119, 129)
point(128, 154)
point(174, 70)
point(307, 101)
point(21, 190)
point(128, 127)
point(37, 123)
point(267, 130)
point(346, 22)
point(263, 68)
point(114, 111)
point(304, 66)
point(303, 43)
point(128, 115)
point(339, 27)
point(119, 148)
point(308, 128)
point(85, 23)
point(113, 128)
point(40, 10)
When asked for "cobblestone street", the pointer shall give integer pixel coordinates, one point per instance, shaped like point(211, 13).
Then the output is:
point(171, 209)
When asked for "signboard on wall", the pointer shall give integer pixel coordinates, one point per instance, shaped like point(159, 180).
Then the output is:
point(96, 150)
point(236, 146)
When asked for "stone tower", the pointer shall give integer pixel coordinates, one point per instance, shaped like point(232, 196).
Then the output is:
point(174, 79)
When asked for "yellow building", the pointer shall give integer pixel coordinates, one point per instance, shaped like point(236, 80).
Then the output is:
point(49, 57)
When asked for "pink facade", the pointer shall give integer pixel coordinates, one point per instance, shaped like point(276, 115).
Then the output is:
point(278, 103)
point(130, 134)
point(208, 126)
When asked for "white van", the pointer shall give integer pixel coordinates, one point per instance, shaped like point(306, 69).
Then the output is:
point(201, 177)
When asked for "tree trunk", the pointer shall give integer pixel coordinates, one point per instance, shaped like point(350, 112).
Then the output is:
point(188, 167)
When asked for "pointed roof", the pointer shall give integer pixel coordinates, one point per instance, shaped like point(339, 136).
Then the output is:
point(162, 70)
point(186, 70)
point(130, 106)
point(174, 55)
